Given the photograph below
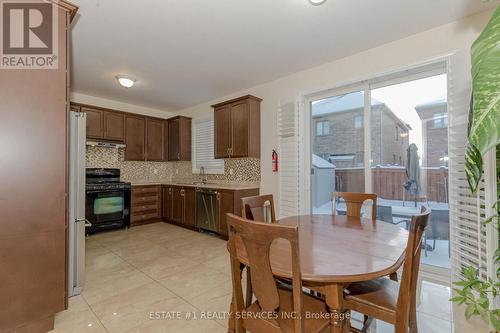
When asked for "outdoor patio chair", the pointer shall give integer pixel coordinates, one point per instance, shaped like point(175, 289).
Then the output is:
point(439, 228)
point(384, 213)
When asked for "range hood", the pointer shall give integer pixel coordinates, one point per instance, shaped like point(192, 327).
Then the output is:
point(105, 144)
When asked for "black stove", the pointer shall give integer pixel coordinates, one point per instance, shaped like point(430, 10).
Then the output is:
point(107, 200)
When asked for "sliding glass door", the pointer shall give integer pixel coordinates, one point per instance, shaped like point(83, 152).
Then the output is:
point(338, 148)
point(392, 142)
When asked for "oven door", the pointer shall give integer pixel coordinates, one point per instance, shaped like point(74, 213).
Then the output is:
point(105, 207)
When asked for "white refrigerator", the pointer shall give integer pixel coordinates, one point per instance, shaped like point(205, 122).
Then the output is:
point(77, 221)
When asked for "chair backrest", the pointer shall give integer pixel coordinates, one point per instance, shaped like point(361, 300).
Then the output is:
point(354, 202)
point(258, 208)
point(411, 266)
point(257, 238)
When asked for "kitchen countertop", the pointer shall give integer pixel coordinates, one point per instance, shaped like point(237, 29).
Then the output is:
point(214, 185)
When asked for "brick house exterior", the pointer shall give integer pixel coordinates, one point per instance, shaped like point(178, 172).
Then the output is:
point(434, 116)
point(338, 131)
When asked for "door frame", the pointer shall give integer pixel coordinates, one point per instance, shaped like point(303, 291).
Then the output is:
point(437, 66)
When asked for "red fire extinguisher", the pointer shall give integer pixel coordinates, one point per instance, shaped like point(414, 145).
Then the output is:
point(275, 161)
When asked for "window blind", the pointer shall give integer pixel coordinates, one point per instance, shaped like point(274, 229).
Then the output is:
point(467, 211)
point(289, 173)
point(203, 148)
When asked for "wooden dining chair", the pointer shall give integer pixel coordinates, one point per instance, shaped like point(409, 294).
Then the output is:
point(354, 202)
point(258, 208)
point(286, 305)
point(389, 300)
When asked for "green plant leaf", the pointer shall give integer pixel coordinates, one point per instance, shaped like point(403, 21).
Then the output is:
point(484, 116)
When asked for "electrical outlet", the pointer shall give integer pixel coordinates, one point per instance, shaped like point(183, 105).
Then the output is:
point(155, 171)
point(231, 171)
point(176, 171)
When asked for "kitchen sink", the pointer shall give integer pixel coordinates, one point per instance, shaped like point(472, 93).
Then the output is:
point(202, 183)
point(195, 183)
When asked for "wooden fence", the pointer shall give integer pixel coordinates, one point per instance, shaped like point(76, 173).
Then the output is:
point(387, 182)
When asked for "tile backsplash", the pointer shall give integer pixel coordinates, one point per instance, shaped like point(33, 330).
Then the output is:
point(235, 170)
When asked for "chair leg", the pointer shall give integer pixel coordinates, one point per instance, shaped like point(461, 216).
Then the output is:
point(249, 293)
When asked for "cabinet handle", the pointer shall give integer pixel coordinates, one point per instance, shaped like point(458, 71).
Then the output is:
point(178, 156)
point(218, 196)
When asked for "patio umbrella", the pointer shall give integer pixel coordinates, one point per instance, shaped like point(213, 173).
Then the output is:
point(413, 171)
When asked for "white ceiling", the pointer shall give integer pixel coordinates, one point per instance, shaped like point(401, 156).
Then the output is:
point(187, 52)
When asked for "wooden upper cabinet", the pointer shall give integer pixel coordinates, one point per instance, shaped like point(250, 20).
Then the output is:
point(179, 139)
point(154, 139)
point(95, 124)
point(114, 126)
point(166, 140)
point(135, 128)
point(222, 128)
point(237, 127)
point(240, 140)
point(103, 124)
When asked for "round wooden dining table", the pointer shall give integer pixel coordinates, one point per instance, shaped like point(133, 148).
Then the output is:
point(336, 250)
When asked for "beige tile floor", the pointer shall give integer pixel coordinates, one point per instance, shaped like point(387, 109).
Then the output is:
point(164, 270)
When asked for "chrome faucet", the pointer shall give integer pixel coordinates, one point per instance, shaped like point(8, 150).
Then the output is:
point(203, 176)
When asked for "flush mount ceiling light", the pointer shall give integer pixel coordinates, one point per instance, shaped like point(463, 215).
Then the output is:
point(125, 81)
point(317, 2)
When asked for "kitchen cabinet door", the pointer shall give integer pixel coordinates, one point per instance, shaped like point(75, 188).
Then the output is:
point(134, 138)
point(154, 139)
point(177, 213)
point(222, 128)
point(190, 207)
point(94, 126)
point(185, 139)
point(114, 126)
point(174, 140)
point(239, 129)
point(166, 140)
point(179, 139)
point(225, 200)
point(167, 203)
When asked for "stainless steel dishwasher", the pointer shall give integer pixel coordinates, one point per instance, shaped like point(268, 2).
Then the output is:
point(207, 209)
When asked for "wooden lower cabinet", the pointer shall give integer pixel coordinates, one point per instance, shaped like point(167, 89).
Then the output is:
point(145, 204)
point(179, 205)
point(225, 201)
point(166, 199)
point(229, 201)
point(190, 207)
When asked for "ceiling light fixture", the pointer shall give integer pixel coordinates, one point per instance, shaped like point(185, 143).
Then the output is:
point(317, 2)
point(125, 81)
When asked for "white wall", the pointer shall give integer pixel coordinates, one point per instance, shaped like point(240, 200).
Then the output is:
point(117, 105)
point(410, 51)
